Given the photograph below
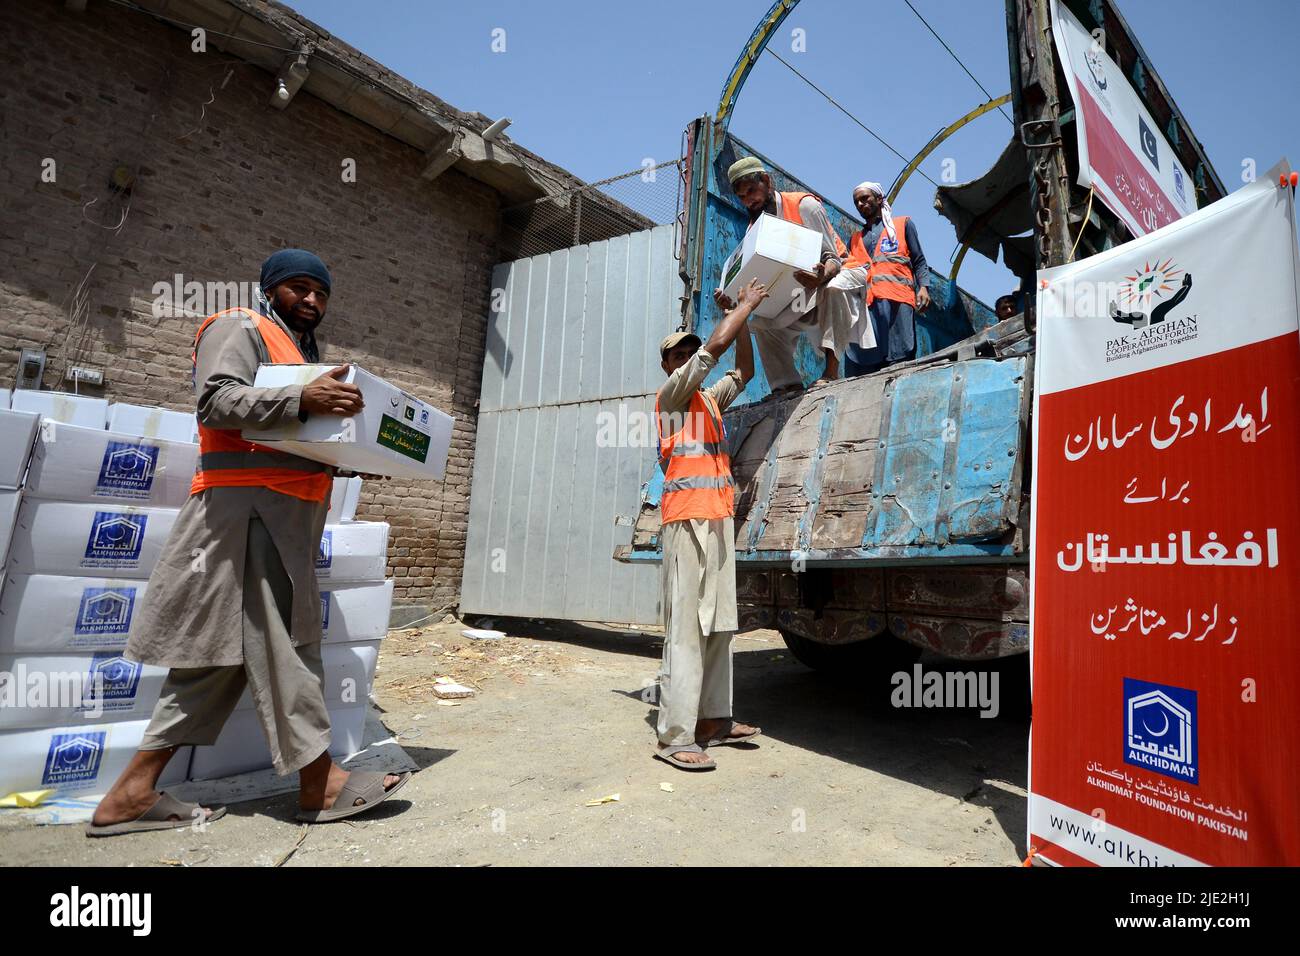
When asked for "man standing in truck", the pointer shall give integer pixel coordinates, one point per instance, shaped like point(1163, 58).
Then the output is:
point(834, 318)
point(898, 281)
point(698, 538)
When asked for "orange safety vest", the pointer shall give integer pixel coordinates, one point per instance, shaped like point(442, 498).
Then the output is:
point(226, 459)
point(697, 468)
point(891, 271)
point(790, 213)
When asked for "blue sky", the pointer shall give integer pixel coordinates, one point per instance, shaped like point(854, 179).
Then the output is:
point(597, 87)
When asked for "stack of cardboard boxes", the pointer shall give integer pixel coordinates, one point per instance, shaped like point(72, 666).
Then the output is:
point(88, 496)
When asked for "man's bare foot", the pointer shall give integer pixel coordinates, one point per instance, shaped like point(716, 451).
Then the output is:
point(312, 796)
point(133, 793)
point(686, 756)
point(707, 729)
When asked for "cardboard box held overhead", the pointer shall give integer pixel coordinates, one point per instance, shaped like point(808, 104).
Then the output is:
point(396, 434)
point(771, 252)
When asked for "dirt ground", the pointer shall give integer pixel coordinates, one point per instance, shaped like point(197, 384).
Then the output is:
point(560, 719)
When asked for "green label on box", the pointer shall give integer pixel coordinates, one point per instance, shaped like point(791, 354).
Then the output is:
point(403, 439)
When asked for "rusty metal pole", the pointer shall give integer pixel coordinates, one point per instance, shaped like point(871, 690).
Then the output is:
point(1040, 131)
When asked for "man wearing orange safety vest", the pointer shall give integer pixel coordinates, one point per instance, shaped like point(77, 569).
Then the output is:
point(833, 322)
point(698, 539)
point(233, 602)
point(887, 252)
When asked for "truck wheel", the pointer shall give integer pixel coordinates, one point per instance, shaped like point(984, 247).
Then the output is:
point(882, 654)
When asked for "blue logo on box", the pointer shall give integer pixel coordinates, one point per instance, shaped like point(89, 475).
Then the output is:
point(117, 678)
point(105, 611)
point(127, 470)
point(115, 540)
point(325, 553)
point(73, 758)
point(1160, 730)
point(324, 610)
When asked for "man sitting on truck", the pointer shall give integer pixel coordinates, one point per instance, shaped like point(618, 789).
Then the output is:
point(836, 314)
point(698, 538)
point(889, 248)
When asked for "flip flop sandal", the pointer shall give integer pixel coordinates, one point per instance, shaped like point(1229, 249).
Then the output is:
point(725, 738)
point(364, 785)
point(668, 755)
point(156, 818)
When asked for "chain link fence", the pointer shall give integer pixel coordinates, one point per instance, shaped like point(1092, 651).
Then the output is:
point(630, 202)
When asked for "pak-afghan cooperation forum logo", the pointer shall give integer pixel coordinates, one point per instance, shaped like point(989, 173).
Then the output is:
point(1160, 729)
point(1146, 297)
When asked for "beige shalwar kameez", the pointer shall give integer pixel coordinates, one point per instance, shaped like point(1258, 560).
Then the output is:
point(837, 318)
point(233, 600)
point(699, 587)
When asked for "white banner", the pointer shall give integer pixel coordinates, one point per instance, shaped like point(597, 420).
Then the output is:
point(1123, 153)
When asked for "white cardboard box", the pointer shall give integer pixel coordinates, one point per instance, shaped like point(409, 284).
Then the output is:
point(6, 396)
point(349, 612)
point(54, 690)
point(63, 407)
point(396, 434)
point(355, 551)
point(9, 504)
point(74, 463)
point(17, 434)
point(771, 252)
point(242, 745)
point(80, 761)
point(343, 500)
point(349, 673)
point(144, 421)
point(60, 614)
point(64, 537)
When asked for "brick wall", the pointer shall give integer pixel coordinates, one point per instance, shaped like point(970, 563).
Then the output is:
point(218, 186)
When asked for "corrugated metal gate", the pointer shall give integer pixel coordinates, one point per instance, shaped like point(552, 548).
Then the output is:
point(565, 436)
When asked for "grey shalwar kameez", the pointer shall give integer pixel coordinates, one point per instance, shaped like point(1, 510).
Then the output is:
point(233, 600)
point(699, 587)
point(835, 322)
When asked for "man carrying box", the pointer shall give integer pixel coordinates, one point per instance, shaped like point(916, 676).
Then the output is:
point(835, 320)
point(698, 537)
point(233, 601)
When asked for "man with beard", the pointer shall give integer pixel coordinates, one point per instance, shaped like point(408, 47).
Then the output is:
point(898, 278)
point(233, 602)
point(834, 322)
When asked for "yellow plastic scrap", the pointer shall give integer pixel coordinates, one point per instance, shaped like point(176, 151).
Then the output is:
point(612, 798)
point(25, 798)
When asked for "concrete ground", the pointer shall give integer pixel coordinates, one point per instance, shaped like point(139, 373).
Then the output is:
point(560, 718)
